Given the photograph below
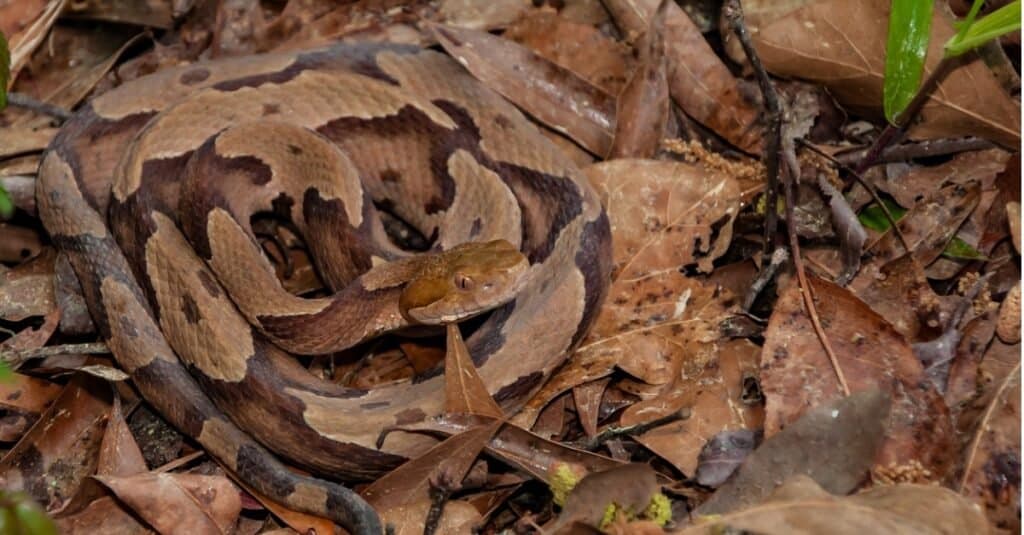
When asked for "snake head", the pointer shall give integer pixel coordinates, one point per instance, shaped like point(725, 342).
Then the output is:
point(464, 281)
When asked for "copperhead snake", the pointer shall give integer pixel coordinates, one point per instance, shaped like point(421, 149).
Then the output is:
point(148, 190)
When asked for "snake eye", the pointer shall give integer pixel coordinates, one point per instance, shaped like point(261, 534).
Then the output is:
point(463, 282)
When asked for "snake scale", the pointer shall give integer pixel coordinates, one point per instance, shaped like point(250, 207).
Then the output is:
point(149, 188)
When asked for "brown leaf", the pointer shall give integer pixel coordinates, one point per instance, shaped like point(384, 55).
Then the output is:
point(53, 458)
point(300, 522)
point(464, 391)
point(992, 459)
point(516, 446)
point(629, 486)
point(119, 453)
point(911, 187)
point(699, 82)
point(179, 503)
point(642, 111)
point(22, 43)
point(458, 518)
point(801, 507)
point(410, 483)
point(105, 516)
point(841, 45)
point(902, 295)
point(552, 94)
point(664, 215)
point(927, 227)
point(587, 398)
point(155, 13)
point(28, 394)
point(581, 48)
point(712, 388)
point(796, 374)
point(833, 444)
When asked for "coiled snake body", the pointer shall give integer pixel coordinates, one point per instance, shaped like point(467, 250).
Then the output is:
point(203, 326)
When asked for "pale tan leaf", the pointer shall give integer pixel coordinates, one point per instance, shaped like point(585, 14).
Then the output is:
point(464, 391)
point(180, 503)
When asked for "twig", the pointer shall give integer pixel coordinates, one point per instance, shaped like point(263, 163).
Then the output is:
point(893, 132)
point(779, 257)
point(16, 357)
point(22, 100)
point(805, 288)
point(923, 149)
point(864, 183)
point(733, 12)
point(608, 433)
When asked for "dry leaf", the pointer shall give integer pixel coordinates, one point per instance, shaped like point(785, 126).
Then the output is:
point(796, 374)
point(516, 446)
point(464, 391)
point(410, 483)
point(664, 215)
point(54, 457)
point(800, 507)
point(581, 48)
point(458, 518)
point(27, 290)
point(180, 503)
point(841, 44)
point(992, 459)
point(699, 82)
point(27, 394)
point(105, 516)
point(587, 398)
point(833, 444)
point(552, 94)
point(712, 388)
point(643, 112)
point(119, 454)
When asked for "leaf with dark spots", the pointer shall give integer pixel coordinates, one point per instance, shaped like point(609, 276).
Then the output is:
point(713, 389)
point(515, 445)
point(723, 454)
point(834, 444)
point(801, 507)
point(554, 95)
point(450, 460)
point(27, 289)
point(642, 113)
point(663, 215)
point(27, 394)
point(699, 81)
point(464, 391)
point(901, 294)
point(929, 225)
point(54, 457)
point(179, 503)
point(630, 487)
point(991, 474)
point(796, 373)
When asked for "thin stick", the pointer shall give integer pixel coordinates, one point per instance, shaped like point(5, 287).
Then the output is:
point(892, 132)
point(591, 444)
point(734, 14)
point(922, 149)
point(22, 100)
point(15, 357)
point(779, 257)
point(871, 189)
point(805, 288)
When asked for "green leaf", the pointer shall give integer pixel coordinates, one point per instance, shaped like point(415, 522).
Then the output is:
point(20, 515)
point(873, 217)
point(5, 70)
point(992, 26)
point(910, 23)
point(6, 205)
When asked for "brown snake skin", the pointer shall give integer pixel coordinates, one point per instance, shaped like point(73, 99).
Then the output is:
point(318, 136)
